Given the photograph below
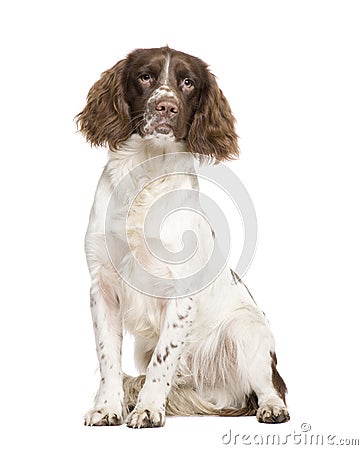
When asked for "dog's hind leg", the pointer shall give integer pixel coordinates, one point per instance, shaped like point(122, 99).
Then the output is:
point(258, 352)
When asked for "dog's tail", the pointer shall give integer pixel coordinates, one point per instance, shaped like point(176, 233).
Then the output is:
point(183, 400)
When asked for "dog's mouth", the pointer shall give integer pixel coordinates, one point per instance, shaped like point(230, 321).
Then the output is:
point(164, 128)
point(158, 129)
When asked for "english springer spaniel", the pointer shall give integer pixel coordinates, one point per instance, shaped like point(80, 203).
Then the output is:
point(201, 343)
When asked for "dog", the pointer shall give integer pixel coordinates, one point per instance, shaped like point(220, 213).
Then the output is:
point(202, 346)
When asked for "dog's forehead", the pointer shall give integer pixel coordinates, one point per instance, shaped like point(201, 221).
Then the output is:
point(156, 59)
point(147, 58)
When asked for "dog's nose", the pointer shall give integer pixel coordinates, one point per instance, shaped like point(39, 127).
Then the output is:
point(167, 108)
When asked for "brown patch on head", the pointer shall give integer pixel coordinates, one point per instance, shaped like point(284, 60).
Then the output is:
point(188, 101)
point(106, 118)
point(163, 90)
point(277, 380)
point(212, 132)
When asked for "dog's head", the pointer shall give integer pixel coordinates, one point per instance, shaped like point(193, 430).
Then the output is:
point(160, 94)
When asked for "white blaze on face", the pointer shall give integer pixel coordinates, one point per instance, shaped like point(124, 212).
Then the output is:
point(166, 70)
point(164, 91)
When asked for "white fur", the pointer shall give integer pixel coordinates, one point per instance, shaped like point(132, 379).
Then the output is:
point(166, 69)
point(216, 340)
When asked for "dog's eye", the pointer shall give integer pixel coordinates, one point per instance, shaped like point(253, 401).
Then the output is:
point(188, 83)
point(145, 78)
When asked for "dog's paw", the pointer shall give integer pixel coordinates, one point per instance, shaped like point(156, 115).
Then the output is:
point(146, 418)
point(272, 414)
point(103, 416)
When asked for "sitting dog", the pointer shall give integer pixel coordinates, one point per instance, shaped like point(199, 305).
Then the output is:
point(201, 343)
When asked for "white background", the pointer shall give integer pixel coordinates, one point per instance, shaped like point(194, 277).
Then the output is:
point(293, 73)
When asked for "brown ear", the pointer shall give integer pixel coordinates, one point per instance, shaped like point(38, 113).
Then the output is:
point(212, 131)
point(105, 119)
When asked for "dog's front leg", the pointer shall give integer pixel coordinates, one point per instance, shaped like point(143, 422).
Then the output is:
point(107, 324)
point(150, 407)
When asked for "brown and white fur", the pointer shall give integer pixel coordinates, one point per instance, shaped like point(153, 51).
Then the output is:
point(211, 352)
